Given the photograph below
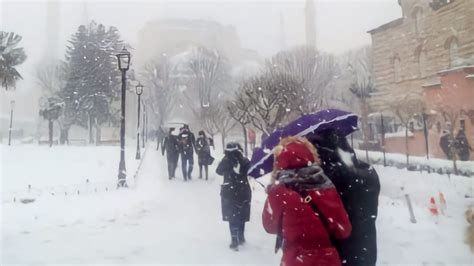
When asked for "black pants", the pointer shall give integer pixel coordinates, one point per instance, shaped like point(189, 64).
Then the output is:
point(187, 162)
point(172, 164)
point(206, 169)
point(237, 230)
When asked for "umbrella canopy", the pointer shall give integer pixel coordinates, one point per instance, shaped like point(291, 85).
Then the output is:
point(262, 158)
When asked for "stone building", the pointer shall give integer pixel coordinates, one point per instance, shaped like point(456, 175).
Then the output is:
point(174, 36)
point(422, 53)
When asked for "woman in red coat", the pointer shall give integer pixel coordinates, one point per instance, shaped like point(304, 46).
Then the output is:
point(303, 207)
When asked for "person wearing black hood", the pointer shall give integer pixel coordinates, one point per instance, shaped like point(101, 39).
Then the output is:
point(204, 154)
point(236, 194)
point(359, 187)
point(187, 145)
point(171, 147)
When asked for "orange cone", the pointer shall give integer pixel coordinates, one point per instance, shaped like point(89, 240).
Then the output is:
point(442, 203)
point(433, 207)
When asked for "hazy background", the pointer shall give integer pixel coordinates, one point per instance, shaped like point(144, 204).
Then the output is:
point(341, 25)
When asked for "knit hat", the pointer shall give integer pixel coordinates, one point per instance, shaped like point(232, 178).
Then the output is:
point(233, 146)
point(293, 153)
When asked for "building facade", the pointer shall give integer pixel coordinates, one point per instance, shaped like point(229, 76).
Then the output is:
point(429, 52)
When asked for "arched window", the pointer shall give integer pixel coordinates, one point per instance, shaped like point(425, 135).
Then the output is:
point(417, 15)
point(453, 53)
point(452, 45)
point(396, 69)
point(420, 56)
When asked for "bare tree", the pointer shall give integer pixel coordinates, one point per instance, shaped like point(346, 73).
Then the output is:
point(272, 98)
point(359, 72)
point(451, 115)
point(239, 109)
point(209, 71)
point(51, 78)
point(312, 69)
point(217, 119)
point(159, 77)
point(405, 106)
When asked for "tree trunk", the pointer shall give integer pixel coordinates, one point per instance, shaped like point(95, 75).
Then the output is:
point(97, 134)
point(406, 144)
point(91, 136)
point(365, 125)
point(213, 142)
point(223, 141)
point(244, 130)
point(50, 132)
point(64, 136)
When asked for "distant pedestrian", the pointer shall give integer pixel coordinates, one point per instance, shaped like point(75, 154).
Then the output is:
point(252, 136)
point(204, 154)
point(462, 146)
point(187, 144)
point(160, 135)
point(445, 143)
point(303, 207)
point(235, 193)
point(171, 147)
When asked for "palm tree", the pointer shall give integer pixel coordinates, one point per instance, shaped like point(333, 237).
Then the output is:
point(10, 57)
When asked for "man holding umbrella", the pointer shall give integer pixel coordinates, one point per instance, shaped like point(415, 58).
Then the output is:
point(357, 182)
point(359, 187)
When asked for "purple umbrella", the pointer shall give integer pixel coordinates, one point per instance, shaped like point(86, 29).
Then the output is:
point(262, 158)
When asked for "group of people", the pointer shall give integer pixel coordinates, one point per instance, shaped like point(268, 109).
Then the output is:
point(182, 144)
point(322, 201)
point(457, 147)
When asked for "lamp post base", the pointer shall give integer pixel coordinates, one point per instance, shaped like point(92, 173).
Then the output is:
point(122, 176)
point(138, 156)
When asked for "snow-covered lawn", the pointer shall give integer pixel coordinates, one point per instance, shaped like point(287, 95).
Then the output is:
point(61, 169)
point(172, 222)
point(434, 163)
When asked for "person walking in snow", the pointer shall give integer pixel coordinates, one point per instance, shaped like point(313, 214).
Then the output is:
point(236, 194)
point(171, 147)
point(445, 143)
point(303, 207)
point(187, 144)
point(462, 146)
point(359, 187)
point(204, 154)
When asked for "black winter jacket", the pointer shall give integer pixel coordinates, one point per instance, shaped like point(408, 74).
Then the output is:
point(359, 187)
point(235, 191)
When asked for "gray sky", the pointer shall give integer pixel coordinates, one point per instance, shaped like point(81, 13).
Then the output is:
point(341, 25)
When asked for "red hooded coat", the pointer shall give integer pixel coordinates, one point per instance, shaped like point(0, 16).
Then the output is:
point(307, 218)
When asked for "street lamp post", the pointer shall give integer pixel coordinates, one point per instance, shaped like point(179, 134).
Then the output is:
point(139, 91)
point(382, 125)
point(12, 105)
point(144, 126)
point(123, 58)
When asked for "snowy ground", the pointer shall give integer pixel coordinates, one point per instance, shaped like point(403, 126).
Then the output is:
point(162, 222)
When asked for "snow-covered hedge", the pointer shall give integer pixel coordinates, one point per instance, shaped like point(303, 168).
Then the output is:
point(419, 163)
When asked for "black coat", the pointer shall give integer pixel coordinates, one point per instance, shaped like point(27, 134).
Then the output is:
point(171, 147)
point(359, 187)
point(463, 147)
point(236, 194)
point(203, 151)
point(187, 142)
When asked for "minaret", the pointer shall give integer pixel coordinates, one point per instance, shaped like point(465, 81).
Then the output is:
point(85, 19)
point(310, 19)
point(51, 51)
point(282, 33)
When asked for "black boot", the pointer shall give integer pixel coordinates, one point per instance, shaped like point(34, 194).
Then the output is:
point(241, 238)
point(234, 245)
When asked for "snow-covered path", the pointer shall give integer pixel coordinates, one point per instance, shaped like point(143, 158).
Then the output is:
point(156, 222)
point(172, 222)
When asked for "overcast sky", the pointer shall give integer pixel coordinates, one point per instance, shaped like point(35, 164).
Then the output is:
point(341, 25)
